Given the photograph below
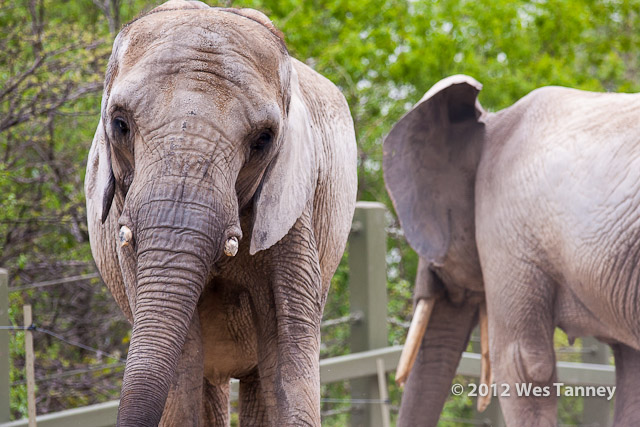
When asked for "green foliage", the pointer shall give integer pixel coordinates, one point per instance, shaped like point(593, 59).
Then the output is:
point(52, 61)
point(383, 54)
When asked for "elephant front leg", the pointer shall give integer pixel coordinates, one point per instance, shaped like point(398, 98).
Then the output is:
point(253, 412)
point(289, 341)
point(185, 405)
point(215, 407)
point(521, 327)
point(184, 402)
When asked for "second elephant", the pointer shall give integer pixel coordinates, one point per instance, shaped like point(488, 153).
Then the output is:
point(535, 208)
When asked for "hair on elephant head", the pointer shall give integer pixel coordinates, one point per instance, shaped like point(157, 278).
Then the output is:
point(521, 210)
point(205, 133)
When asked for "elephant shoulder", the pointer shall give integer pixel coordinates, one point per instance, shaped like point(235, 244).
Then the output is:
point(547, 97)
point(531, 117)
point(543, 104)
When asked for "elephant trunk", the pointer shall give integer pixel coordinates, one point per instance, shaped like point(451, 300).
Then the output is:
point(429, 381)
point(177, 243)
point(159, 332)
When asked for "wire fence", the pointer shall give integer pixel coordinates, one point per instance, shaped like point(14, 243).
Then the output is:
point(110, 367)
point(120, 363)
point(103, 367)
point(332, 406)
point(62, 281)
point(342, 405)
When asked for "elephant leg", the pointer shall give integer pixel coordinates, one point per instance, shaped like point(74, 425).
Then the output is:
point(521, 328)
point(430, 379)
point(288, 359)
point(253, 412)
point(288, 322)
point(215, 408)
point(627, 406)
point(184, 402)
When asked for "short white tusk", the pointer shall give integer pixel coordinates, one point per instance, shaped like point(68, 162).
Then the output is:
point(486, 376)
point(125, 236)
point(414, 338)
point(231, 246)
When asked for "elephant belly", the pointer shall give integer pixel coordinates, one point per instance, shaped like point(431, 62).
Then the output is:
point(579, 320)
point(228, 336)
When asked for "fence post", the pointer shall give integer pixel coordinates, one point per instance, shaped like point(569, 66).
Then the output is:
point(5, 412)
point(368, 300)
point(595, 410)
point(29, 366)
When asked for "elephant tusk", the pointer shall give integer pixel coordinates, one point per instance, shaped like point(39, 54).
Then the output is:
point(486, 376)
point(125, 236)
point(414, 338)
point(231, 246)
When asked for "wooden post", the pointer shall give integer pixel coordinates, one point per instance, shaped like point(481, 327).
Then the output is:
point(31, 380)
point(384, 394)
point(5, 412)
point(595, 410)
point(368, 300)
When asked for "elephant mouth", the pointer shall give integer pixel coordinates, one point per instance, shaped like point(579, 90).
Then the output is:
point(211, 283)
point(221, 265)
point(218, 269)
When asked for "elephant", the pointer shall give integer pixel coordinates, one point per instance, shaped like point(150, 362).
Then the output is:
point(534, 211)
point(221, 185)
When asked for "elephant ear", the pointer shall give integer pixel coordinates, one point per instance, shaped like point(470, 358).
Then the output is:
point(289, 181)
point(99, 181)
point(430, 160)
point(103, 181)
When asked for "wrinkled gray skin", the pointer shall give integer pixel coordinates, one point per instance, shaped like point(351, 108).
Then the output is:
point(542, 201)
point(211, 130)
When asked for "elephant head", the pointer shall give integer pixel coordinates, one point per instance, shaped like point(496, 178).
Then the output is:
point(202, 124)
point(430, 160)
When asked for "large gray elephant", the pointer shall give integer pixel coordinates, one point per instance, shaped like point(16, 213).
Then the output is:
point(535, 207)
point(209, 132)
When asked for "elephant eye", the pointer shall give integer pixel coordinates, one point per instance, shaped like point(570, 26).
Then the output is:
point(262, 141)
point(120, 127)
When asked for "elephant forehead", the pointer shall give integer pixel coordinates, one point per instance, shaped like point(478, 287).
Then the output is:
point(220, 47)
